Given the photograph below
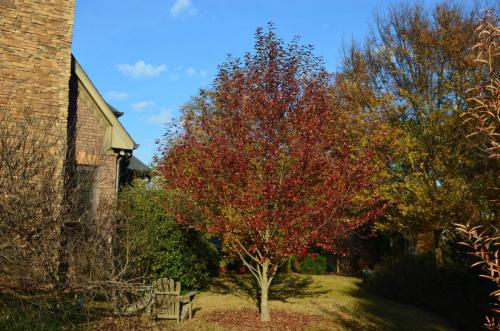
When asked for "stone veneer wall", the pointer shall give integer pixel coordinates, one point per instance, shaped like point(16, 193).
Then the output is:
point(35, 58)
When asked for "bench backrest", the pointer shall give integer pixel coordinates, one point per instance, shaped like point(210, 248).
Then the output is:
point(166, 297)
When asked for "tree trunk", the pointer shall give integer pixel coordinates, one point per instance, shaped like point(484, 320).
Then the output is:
point(264, 275)
point(264, 291)
point(438, 249)
point(338, 264)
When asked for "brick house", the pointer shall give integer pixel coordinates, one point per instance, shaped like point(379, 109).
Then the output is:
point(41, 81)
point(98, 143)
point(98, 154)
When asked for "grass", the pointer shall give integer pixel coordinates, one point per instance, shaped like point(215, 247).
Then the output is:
point(342, 301)
point(339, 303)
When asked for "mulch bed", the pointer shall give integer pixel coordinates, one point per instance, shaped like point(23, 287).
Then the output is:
point(280, 320)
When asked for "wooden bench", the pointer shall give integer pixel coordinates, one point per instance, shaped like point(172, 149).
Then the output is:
point(168, 303)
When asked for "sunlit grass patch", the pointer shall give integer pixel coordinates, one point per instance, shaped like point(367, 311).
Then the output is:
point(342, 303)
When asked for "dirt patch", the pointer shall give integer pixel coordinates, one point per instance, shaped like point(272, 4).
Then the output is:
point(280, 320)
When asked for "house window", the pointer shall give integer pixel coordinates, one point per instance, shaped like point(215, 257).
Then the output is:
point(85, 190)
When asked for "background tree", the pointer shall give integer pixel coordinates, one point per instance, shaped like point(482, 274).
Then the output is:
point(270, 162)
point(415, 70)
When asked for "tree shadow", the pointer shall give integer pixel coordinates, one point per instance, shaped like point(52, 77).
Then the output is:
point(195, 311)
point(348, 305)
point(283, 287)
point(290, 285)
point(371, 312)
point(244, 286)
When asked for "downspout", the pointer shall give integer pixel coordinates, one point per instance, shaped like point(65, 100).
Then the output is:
point(121, 155)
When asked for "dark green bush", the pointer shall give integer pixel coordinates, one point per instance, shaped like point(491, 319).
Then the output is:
point(313, 265)
point(160, 246)
point(452, 291)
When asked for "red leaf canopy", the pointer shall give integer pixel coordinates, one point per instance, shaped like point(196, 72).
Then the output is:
point(266, 157)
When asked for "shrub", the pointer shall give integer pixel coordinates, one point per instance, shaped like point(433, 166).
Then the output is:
point(313, 265)
point(452, 291)
point(159, 245)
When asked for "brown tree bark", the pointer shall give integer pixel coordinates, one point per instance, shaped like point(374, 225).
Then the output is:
point(264, 293)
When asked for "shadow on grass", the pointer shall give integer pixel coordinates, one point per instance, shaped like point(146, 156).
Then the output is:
point(288, 285)
point(371, 312)
point(195, 311)
point(342, 301)
point(283, 287)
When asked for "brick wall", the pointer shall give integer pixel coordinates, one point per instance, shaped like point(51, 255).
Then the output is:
point(89, 131)
point(106, 179)
point(35, 57)
point(91, 148)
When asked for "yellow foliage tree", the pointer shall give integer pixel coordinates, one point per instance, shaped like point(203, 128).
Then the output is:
point(413, 73)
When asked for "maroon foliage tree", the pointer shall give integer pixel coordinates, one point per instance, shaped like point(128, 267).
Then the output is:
point(269, 162)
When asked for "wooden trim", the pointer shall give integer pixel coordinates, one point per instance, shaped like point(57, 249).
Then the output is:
point(120, 138)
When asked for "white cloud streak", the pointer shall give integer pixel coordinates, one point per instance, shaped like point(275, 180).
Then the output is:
point(181, 7)
point(115, 95)
point(141, 69)
point(142, 105)
point(191, 71)
point(160, 119)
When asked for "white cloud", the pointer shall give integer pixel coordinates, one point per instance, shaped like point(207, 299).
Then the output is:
point(181, 71)
point(174, 76)
point(191, 71)
point(140, 69)
point(160, 119)
point(142, 105)
point(114, 95)
point(182, 6)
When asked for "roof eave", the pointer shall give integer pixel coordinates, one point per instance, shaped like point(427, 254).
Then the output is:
point(121, 139)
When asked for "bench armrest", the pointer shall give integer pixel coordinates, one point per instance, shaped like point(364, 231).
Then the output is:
point(189, 296)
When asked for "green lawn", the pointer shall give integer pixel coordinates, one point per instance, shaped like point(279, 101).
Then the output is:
point(342, 302)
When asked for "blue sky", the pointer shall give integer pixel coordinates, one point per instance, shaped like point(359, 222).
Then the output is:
point(147, 58)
